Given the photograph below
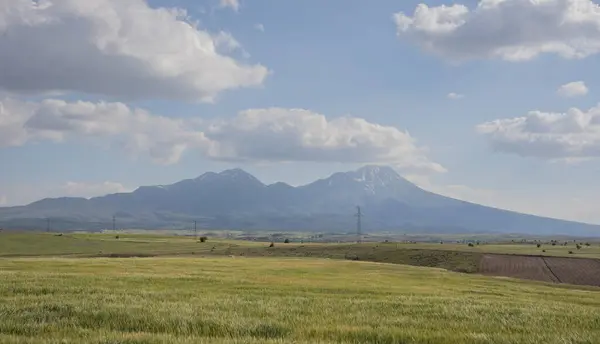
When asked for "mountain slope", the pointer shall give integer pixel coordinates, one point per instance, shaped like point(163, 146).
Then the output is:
point(237, 200)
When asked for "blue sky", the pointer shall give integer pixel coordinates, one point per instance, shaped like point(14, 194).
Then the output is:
point(345, 58)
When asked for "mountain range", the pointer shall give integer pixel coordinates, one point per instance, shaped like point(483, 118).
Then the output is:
point(234, 199)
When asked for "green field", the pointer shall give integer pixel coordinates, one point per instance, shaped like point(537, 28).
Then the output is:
point(290, 300)
point(65, 289)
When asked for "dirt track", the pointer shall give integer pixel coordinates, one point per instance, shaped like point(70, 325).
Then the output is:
point(548, 269)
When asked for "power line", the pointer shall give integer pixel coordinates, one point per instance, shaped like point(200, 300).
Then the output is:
point(358, 224)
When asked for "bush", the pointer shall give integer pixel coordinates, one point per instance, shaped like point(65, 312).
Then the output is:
point(471, 244)
point(117, 237)
point(286, 241)
point(570, 252)
point(543, 250)
point(272, 244)
point(553, 243)
point(587, 244)
point(578, 246)
point(539, 245)
point(203, 239)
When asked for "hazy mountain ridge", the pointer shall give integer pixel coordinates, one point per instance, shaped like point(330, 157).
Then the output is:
point(235, 199)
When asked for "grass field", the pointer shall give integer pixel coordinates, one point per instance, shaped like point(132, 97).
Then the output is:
point(65, 289)
point(285, 300)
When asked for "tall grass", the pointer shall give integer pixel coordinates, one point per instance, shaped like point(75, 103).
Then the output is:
point(283, 300)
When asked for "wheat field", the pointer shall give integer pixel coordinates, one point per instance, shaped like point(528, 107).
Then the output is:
point(280, 300)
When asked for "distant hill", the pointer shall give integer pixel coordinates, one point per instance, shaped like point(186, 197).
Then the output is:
point(234, 199)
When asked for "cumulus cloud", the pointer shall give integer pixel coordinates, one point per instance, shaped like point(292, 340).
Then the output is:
point(512, 30)
point(233, 4)
point(570, 136)
point(278, 134)
point(256, 135)
point(573, 89)
point(135, 130)
point(117, 48)
point(455, 96)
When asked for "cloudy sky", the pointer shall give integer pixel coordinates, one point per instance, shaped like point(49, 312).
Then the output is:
point(490, 101)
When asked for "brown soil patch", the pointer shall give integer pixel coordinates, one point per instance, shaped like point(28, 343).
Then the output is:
point(524, 267)
point(576, 271)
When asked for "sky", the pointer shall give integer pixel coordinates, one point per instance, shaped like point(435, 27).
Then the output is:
point(490, 101)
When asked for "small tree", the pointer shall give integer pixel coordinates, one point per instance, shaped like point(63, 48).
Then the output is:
point(286, 241)
point(578, 246)
point(570, 252)
point(272, 244)
point(539, 245)
point(203, 239)
point(471, 244)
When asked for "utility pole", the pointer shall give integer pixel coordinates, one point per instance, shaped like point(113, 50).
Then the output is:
point(114, 224)
point(195, 231)
point(358, 224)
point(48, 224)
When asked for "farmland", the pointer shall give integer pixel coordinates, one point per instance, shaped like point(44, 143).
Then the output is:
point(138, 288)
point(284, 300)
point(547, 263)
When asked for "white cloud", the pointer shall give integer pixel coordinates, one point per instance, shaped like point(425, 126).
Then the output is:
point(455, 96)
point(573, 89)
point(163, 139)
point(256, 135)
point(574, 135)
point(512, 30)
point(233, 4)
point(260, 27)
point(117, 48)
point(278, 134)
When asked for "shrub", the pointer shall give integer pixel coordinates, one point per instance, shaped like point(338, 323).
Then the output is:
point(570, 252)
point(117, 237)
point(578, 246)
point(272, 244)
point(471, 244)
point(539, 245)
point(543, 250)
point(286, 241)
point(203, 239)
point(587, 244)
point(553, 243)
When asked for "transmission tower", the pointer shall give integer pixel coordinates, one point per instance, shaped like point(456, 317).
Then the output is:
point(358, 224)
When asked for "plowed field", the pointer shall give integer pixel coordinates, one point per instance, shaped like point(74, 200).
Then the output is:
point(548, 269)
